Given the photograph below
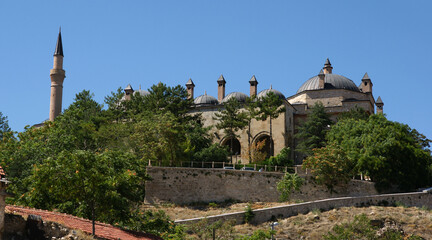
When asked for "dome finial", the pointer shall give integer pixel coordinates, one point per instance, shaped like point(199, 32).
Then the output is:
point(205, 92)
point(271, 87)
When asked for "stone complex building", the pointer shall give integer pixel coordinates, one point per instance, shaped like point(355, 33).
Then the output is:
point(336, 92)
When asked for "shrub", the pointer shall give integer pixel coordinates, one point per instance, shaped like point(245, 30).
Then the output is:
point(249, 214)
point(289, 183)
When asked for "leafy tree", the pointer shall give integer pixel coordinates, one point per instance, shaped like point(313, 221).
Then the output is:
point(96, 186)
point(270, 108)
point(256, 152)
point(4, 125)
point(231, 120)
point(313, 131)
point(330, 166)
point(356, 113)
point(388, 152)
point(288, 184)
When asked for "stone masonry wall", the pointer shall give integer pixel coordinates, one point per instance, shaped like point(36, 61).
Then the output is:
point(416, 199)
point(189, 185)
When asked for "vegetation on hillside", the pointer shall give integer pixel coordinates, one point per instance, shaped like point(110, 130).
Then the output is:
point(389, 153)
point(90, 161)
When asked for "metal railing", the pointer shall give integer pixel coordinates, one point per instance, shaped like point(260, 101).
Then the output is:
point(233, 166)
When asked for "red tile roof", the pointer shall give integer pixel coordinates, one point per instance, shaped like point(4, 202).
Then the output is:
point(102, 230)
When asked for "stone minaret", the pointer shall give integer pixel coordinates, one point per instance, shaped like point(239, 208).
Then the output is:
point(190, 88)
point(221, 88)
point(253, 86)
point(327, 67)
point(57, 75)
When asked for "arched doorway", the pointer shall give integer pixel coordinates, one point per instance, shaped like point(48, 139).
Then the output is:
point(234, 147)
point(262, 144)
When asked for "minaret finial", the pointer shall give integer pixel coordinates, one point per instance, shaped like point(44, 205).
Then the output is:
point(59, 47)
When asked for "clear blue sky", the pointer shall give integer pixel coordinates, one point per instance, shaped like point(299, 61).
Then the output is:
point(109, 44)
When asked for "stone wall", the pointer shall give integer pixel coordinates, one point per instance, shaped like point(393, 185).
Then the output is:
point(417, 199)
point(189, 185)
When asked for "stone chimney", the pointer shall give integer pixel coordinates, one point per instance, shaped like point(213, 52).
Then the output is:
point(190, 88)
point(128, 92)
point(366, 85)
point(327, 67)
point(321, 77)
point(221, 88)
point(253, 86)
point(380, 104)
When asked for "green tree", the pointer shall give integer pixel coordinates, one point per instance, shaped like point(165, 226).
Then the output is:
point(270, 108)
point(388, 152)
point(330, 166)
point(231, 120)
point(102, 187)
point(4, 125)
point(312, 132)
point(356, 113)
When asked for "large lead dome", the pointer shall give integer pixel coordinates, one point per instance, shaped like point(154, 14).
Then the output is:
point(332, 81)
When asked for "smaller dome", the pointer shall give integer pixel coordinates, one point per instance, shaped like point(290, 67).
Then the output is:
point(205, 100)
point(142, 92)
point(264, 93)
point(241, 97)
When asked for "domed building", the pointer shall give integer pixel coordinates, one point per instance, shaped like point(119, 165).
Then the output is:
point(337, 93)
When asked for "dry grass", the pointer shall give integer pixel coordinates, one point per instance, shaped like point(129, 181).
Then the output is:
point(314, 224)
point(177, 212)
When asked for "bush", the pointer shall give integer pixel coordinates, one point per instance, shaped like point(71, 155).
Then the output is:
point(282, 159)
point(289, 183)
point(214, 153)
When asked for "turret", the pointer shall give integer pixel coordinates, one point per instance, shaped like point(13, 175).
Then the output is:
point(57, 75)
point(380, 104)
point(366, 85)
point(327, 67)
point(253, 86)
point(190, 88)
point(221, 88)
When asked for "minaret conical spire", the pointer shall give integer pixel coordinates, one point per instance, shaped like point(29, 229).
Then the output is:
point(59, 46)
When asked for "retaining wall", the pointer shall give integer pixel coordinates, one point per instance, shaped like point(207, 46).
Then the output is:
point(416, 199)
point(191, 185)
